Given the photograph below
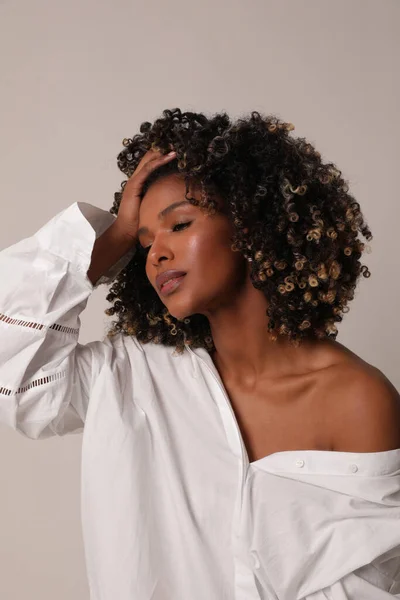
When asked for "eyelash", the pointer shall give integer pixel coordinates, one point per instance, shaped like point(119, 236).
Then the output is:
point(146, 250)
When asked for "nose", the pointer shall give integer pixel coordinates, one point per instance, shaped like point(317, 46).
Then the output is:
point(159, 252)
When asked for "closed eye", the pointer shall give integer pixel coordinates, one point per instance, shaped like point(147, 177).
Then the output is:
point(176, 228)
point(187, 223)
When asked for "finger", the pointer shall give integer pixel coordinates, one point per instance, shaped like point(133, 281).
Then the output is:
point(153, 156)
point(153, 163)
point(137, 180)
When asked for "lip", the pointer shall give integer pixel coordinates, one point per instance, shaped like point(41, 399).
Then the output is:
point(162, 278)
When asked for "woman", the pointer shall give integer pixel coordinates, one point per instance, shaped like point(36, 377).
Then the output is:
point(232, 449)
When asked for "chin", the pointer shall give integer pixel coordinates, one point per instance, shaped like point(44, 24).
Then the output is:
point(181, 308)
point(179, 313)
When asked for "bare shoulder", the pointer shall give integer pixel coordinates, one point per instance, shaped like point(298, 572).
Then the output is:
point(363, 405)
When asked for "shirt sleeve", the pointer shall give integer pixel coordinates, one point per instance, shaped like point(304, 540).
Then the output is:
point(330, 528)
point(369, 518)
point(45, 373)
point(376, 581)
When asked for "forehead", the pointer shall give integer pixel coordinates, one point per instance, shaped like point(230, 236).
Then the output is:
point(162, 193)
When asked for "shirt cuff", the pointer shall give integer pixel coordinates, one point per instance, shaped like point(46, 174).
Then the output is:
point(71, 235)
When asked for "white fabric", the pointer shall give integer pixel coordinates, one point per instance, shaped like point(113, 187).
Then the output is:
point(171, 508)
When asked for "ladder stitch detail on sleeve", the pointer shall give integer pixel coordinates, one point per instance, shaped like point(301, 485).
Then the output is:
point(34, 325)
point(49, 378)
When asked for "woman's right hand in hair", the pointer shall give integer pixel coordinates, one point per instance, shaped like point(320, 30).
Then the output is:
point(127, 221)
point(121, 236)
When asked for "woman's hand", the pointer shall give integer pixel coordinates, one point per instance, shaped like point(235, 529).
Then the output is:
point(127, 221)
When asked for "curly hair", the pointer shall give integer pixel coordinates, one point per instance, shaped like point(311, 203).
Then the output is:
point(293, 218)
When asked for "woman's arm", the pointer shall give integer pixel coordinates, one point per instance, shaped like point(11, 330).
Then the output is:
point(45, 374)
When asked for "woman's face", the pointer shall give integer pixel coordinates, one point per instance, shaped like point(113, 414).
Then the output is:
point(186, 239)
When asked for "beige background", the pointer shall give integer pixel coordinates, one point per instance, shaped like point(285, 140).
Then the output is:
point(79, 75)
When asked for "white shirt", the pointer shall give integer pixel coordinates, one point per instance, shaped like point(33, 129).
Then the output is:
point(171, 507)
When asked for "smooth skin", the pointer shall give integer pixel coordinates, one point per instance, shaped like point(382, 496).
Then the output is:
point(317, 396)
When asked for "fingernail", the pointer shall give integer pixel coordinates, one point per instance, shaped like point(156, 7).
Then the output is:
point(171, 153)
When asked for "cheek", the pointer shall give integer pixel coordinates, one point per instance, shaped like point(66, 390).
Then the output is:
point(211, 255)
point(147, 269)
point(203, 247)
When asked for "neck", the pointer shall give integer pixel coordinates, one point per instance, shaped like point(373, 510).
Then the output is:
point(244, 350)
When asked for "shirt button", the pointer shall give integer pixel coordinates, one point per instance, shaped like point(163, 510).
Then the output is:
point(353, 468)
point(299, 463)
point(256, 561)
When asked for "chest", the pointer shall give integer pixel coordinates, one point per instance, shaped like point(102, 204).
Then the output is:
point(290, 415)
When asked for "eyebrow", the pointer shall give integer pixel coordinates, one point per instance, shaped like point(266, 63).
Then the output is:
point(162, 214)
